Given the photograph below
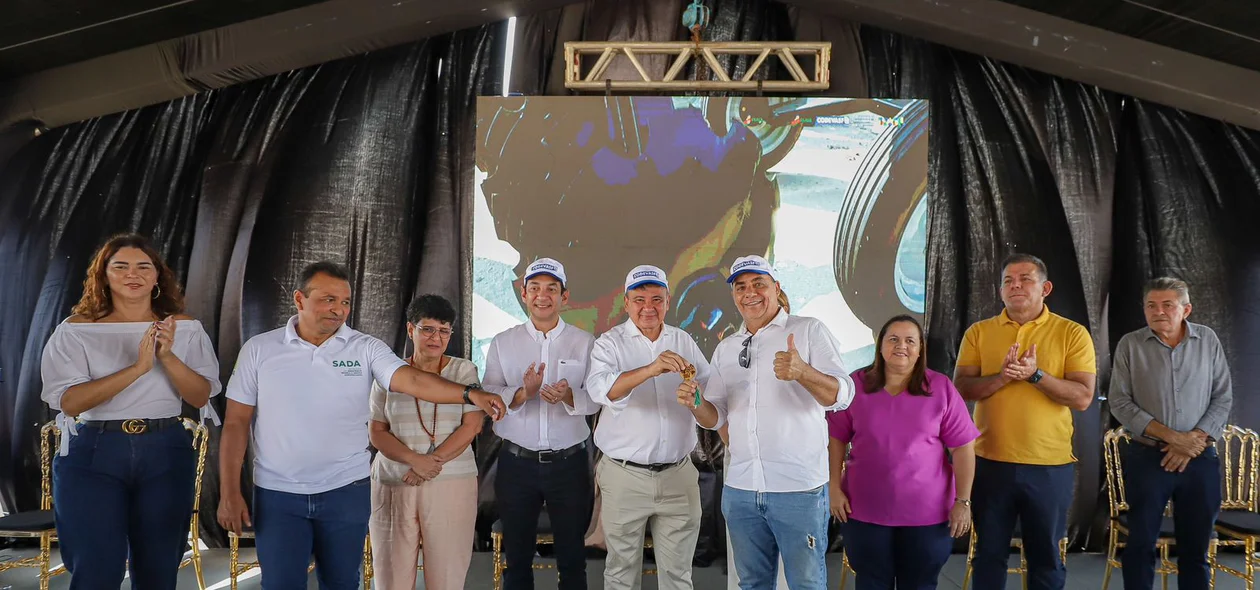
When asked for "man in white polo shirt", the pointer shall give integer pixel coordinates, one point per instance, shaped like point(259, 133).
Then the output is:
point(539, 367)
point(304, 390)
point(774, 381)
point(646, 475)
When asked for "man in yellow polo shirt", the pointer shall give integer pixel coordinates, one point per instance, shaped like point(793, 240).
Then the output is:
point(1026, 369)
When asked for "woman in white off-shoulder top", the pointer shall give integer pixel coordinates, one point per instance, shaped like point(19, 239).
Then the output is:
point(119, 372)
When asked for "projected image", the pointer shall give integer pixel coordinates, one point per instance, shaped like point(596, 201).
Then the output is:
point(830, 190)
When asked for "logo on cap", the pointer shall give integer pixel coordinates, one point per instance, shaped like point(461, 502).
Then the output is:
point(546, 266)
point(645, 275)
point(754, 264)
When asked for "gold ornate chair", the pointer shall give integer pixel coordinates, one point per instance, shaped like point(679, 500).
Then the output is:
point(1017, 542)
point(236, 567)
point(38, 524)
point(201, 442)
point(545, 537)
point(1238, 524)
point(1113, 445)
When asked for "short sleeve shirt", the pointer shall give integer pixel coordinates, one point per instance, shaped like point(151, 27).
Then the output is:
point(311, 411)
point(1019, 423)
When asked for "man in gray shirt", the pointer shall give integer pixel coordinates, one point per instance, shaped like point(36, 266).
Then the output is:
point(1170, 387)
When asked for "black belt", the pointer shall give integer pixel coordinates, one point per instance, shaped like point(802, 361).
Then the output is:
point(134, 425)
point(542, 456)
point(658, 467)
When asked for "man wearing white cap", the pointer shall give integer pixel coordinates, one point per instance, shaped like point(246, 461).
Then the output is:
point(539, 367)
point(773, 382)
point(646, 475)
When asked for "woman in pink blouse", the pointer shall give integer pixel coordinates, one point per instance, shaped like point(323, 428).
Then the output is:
point(900, 499)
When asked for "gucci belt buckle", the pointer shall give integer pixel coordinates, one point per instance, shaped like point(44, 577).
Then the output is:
point(134, 426)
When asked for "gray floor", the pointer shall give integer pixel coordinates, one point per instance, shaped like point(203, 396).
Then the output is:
point(1084, 571)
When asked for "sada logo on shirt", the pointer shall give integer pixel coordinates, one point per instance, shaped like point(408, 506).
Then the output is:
point(349, 368)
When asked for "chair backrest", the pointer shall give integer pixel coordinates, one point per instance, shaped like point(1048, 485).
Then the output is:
point(49, 443)
point(1239, 450)
point(201, 444)
point(1113, 443)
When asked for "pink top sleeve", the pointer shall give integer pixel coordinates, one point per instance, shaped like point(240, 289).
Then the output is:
point(840, 424)
point(957, 428)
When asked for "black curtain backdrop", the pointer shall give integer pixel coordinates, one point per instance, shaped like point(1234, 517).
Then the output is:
point(369, 160)
point(361, 160)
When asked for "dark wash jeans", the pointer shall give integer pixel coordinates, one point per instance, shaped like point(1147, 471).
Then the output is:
point(120, 497)
point(331, 526)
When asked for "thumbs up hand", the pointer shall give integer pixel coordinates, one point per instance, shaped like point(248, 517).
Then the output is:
point(788, 365)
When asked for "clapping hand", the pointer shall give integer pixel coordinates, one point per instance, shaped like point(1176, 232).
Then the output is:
point(534, 380)
point(558, 392)
point(148, 345)
point(165, 337)
point(1023, 367)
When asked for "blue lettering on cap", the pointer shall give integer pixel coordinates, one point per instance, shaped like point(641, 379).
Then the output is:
point(745, 263)
point(544, 266)
point(644, 273)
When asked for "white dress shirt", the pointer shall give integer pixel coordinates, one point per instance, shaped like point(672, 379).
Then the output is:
point(536, 424)
point(311, 406)
point(648, 425)
point(778, 431)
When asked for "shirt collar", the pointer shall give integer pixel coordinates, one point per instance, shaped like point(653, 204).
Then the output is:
point(1045, 314)
point(291, 334)
point(780, 320)
point(539, 336)
point(1192, 331)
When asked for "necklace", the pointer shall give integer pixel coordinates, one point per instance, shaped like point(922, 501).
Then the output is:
point(419, 414)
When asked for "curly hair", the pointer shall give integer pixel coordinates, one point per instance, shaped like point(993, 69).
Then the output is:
point(97, 301)
point(433, 307)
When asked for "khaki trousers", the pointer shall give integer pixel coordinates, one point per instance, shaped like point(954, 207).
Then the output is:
point(443, 512)
point(635, 498)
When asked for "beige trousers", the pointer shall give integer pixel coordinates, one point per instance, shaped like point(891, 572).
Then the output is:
point(633, 499)
point(444, 512)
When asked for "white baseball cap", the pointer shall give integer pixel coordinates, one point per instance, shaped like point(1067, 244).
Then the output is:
point(646, 274)
point(754, 264)
point(546, 266)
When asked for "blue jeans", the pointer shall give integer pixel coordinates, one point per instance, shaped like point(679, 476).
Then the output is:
point(1038, 496)
point(123, 496)
point(1196, 496)
point(332, 526)
point(765, 525)
point(901, 557)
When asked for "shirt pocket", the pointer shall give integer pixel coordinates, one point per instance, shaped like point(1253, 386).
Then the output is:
point(572, 370)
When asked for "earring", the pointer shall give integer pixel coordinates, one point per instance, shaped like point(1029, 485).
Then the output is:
point(157, 291)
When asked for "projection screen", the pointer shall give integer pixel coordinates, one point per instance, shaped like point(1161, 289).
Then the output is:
point(830, 190)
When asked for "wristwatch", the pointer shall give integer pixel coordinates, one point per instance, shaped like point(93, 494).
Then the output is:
point(1036, 376)
point(467, 390)
point(963, 501)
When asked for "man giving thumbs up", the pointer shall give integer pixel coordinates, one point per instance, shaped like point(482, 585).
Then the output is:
point(773, 382)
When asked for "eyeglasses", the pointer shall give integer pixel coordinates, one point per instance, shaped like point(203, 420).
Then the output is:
point(430, 331)
point(744, 356)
